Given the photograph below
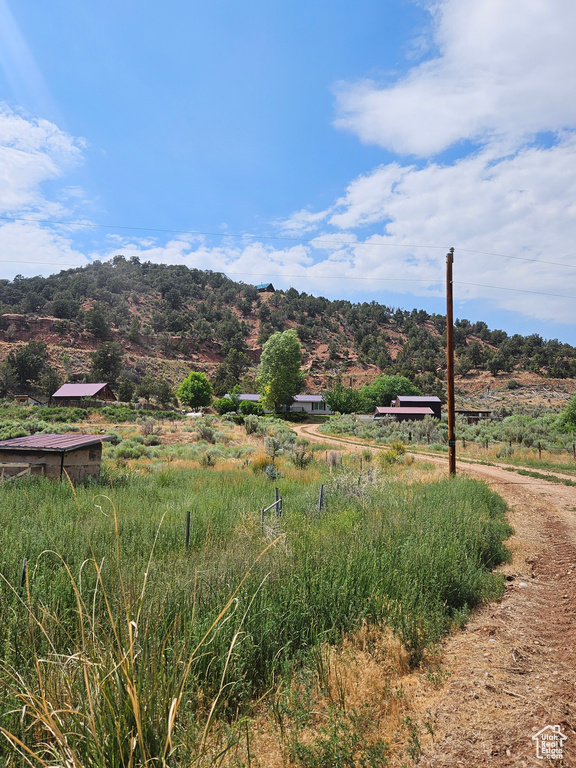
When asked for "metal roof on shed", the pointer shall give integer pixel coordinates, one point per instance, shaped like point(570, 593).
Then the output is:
point(418, 398)
point(79, 390)
point(58, 443)
point(402, 411)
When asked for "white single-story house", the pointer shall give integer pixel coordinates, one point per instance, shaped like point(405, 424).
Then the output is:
point(310, 404)
point(313, 404)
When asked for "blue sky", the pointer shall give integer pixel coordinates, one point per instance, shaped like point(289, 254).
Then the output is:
point(338, 147)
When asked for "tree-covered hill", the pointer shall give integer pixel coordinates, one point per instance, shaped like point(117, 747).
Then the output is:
point(167, 319)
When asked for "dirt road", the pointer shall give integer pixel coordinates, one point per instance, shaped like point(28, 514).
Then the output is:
point(512, 671)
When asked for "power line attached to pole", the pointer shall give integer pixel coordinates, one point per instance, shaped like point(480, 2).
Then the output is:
point(450, 363)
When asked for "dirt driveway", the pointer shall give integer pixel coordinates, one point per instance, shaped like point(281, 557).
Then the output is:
point(512, 671)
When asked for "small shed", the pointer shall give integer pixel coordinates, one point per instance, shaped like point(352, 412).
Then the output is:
point(27, 400)
point(403, 414)
point(473, 417)
point(73, 394)
point(53, 456)
point(265, 288)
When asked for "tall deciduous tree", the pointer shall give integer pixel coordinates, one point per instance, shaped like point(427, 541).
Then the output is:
point(195, 391)
point(279, 375)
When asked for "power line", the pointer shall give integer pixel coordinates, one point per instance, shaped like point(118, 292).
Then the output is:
point(280, 238)
point(516, 290)
point(217, 234)
point(518, 258)
point(430, 280)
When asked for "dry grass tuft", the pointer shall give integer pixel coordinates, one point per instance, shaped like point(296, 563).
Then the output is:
point(366, 680)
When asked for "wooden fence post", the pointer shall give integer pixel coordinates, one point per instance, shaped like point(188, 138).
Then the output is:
point(23, 576)
point(321, 498)
point(188, 529)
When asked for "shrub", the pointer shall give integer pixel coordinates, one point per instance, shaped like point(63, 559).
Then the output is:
point(294, 416)
point(129, 449)
point(120, 415)
point(59, 414)
point(235, 418)
point(387, 458)
point(252, 425)
point(206, 433)
point(208, 459)
point(148, 428)
point(248, 408)
point(333, 459)
point(259, 463)
point(225, 405)
point(301, 455)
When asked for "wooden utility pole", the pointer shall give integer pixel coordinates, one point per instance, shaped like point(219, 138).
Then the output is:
point(450, 363)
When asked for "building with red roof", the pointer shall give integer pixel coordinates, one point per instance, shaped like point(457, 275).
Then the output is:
point(55, 456)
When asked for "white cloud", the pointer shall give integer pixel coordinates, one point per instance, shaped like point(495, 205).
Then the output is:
point(521, 205)
point(503, 72)
point(301, 222)
point(505, 68)
point(31, 152)
point(29, 249)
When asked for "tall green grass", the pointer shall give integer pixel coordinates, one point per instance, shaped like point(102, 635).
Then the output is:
point(123, 646)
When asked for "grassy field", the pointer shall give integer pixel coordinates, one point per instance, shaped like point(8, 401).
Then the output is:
point(536, 442)
point(120, 647)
